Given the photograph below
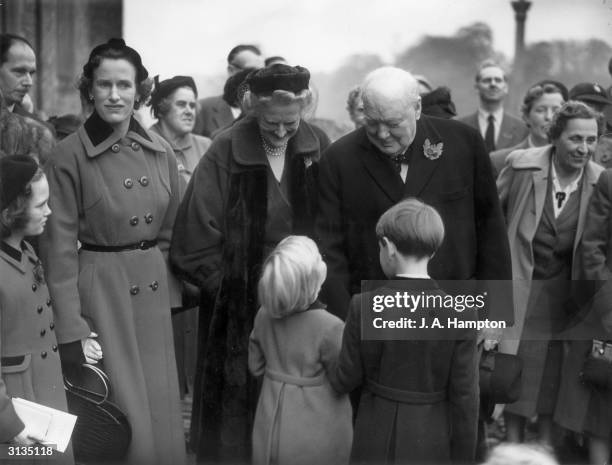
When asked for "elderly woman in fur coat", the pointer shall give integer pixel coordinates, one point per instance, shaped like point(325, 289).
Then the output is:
point(255, 185)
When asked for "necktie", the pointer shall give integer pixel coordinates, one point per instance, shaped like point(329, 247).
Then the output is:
point(560, 198)
point(399, 159)
point(490, 134)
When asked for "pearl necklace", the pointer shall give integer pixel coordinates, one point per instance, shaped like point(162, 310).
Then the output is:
point(272, 151)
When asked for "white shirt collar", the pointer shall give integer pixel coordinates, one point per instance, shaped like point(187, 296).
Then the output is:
point(413, 276)
point(568, 190)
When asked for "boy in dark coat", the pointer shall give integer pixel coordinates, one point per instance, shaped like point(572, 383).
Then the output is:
point(419, 401)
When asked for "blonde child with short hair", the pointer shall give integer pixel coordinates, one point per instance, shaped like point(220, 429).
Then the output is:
point(300, 419)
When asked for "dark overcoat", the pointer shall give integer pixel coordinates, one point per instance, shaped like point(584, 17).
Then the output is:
point(358, 183)
point(218, 244)
point(388, 430)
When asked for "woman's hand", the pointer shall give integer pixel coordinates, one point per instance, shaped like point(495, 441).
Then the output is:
point(91, 349)
point(26, 438)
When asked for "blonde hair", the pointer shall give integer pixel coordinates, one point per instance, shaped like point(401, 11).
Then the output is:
point(254, 103)
point(520, 454)
point(292, 277)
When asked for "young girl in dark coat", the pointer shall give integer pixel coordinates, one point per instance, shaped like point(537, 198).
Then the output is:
point(419, 401)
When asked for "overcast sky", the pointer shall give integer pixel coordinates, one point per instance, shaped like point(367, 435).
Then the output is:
point(194, 36)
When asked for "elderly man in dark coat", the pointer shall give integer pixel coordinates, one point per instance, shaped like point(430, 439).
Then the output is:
point(399, 154)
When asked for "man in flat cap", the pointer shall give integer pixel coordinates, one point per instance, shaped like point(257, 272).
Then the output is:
point(401, 153)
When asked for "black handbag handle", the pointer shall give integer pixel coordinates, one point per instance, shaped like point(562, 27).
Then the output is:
point(87, 393)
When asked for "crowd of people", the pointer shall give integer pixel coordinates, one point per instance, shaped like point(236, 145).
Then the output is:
point(223, 250)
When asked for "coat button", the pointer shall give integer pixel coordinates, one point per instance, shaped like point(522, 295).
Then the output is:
point(154, 285)
point(43, 332)
point(128, 183)
point(48, 302)
point(34, 287)
point(134, 290)
point(144, 181)
point(43, 354)
point(52, 326)
point(54, 348)
point(148, 218)
point(135, 146)
point(134, 220)
point(39, 309)
point(115, 148)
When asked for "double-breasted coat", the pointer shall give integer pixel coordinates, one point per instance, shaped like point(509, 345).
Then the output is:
point(300, 419)
point(108, 191)
point(30, 360)
point(218, 244)
point(358, 184)
point(420, 398)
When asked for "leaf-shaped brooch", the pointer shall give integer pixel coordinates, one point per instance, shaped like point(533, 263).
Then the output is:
point(432, 151)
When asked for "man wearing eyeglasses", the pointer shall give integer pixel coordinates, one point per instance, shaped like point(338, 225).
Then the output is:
point(214, 113)
point(498, 128)
point(400, 153)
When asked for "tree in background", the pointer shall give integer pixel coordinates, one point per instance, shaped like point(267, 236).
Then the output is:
point(333, 88)
point(453, 61)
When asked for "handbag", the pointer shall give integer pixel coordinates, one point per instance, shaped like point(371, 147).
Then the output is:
point(102, 431)
point(500, 377)
point(597, 367)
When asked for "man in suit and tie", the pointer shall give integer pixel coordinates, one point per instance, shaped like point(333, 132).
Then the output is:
point(401, 153)
point(215, 113)
point(498, 128)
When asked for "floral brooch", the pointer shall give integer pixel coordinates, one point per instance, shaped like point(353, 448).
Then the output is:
point(432, 151)
point(307, 162)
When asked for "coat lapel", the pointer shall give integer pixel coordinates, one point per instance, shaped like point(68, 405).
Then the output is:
point(382, 171)
point(540, 180)
point(591, 175)
point(421, 168)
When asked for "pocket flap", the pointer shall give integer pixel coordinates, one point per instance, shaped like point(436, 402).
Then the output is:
point(16, 364)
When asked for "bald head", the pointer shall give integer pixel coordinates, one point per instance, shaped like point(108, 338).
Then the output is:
point(392, 106)
point(390, 84)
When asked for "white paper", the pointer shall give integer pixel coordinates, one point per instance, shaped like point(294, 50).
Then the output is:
point(55, 425)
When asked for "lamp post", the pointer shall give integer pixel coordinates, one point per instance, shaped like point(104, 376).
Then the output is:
point(520, 8)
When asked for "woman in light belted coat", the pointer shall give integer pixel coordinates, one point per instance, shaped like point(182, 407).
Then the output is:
point(114, 188)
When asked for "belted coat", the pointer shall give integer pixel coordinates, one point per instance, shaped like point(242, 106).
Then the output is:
point(112, 191)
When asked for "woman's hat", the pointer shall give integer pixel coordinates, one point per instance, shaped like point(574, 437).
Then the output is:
point(164, 88)
point(118, 45)
point(16, 171)
point(279, 77)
